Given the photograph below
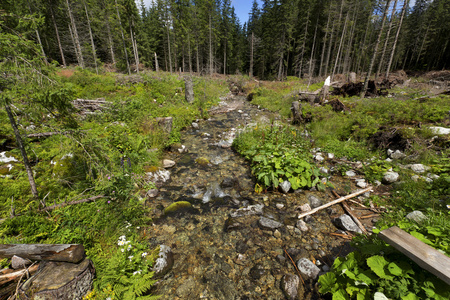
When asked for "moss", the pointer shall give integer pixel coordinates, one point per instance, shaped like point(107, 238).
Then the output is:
point(177, 206)
point(151, 169)
point(202, 161)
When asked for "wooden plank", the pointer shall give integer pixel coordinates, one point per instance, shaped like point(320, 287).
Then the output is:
point(53, 252)
point(425, 256)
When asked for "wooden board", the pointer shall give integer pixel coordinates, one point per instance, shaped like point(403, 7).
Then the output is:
point(425, 256)
point(53, 252)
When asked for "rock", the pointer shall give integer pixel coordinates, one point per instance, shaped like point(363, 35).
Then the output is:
point(266, 223)
point(440, 130)
point(281, 259)
point(415, 178)
point(390, 177)
point(325, 268)
point(213, 191)
point(241, 247)
point(164, 262)
point(158, 177)
point(203, 161)
point(304, 208)
point(418, 168)
point(277, 234)
point(182, 149)
point(397, 155)
point(167, 163)
point(285, 186)
point(228, 182)
point(289, 286)
point(350, 173)
point(177, 206)
point(19, 262)
point(324, 170)
point(307, 268)
point(5, 158)
point(248, 211)
point(232, 224)
point(152, 193)
point(361, 183)
point(279, 205)
point(330, 156)
point(186, 288)
point(195, 125)
point(416, 216)
point(257, 271)
point(302, 225)
point(165, 124)
point(433, 176)
point(319, 157)
point(314, 201)
point(345, 222)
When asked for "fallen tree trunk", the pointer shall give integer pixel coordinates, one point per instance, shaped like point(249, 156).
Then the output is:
point(52, 252)
point(334, 202)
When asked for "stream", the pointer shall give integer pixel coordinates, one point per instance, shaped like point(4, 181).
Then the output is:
point(230, 242)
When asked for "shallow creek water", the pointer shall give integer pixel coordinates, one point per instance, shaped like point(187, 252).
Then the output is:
point(220, 257)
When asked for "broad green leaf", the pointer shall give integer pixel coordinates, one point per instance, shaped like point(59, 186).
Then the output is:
point(340, 295)
point(367, 277)
point(349, 274)
point(377, 264)
point(327, 283)
point(394, 269)
point(380, 296)
point(410, 296)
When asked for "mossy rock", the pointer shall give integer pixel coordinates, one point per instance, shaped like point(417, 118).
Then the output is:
point(202, 161)
point(65, 166)
point(177, 206)
point(151, 169)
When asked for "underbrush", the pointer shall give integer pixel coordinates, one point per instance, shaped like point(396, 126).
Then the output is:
point(104, 153)
point(363, 132)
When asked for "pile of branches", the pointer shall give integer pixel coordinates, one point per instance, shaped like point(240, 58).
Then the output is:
point(89, 107)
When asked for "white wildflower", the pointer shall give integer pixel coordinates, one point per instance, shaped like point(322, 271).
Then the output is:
point(137, 272)
point(130, 257)
point(144, 254)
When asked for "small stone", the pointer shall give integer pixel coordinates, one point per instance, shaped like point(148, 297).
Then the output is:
point(257, 272)
point(418, 168)
point(302, 225)
point(177, 206)
point(415, 178)
point(277, 234)
point(432, 176)
point(304, 208)
point(390, 177)
point(377, 182)
point(440, 130)
point(325, 268)
point(324, 170)
point(167, 163)
point(281, 259)
point(330, 156)
point(248, 211)
point(182, 149)
point(314, 201)
point(345, 222)
point(285, 186)
point(195, 125)
point(279, 205)
point(361, 183)
point(266, 223)
point(350, 173)
point(19, 262)
point(416, 216)
point(152, 193)
point(307, 268)
point(232, 224)
point(289, 286)
point(319, 157)
point(397, 155)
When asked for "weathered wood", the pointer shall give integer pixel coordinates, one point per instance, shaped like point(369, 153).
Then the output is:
point(60, 280)
point(296, 109)
point(52, 252)
point(425, 256)
point(334, 202)
point(189, 89)
point(17, 274)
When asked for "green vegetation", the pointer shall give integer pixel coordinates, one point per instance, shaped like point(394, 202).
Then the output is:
point(364, 132)
point(106, 153)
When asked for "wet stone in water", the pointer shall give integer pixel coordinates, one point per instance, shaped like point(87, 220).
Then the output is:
point(257, 272)
point(314, 201)
point(307, 268)
point(267, 223)
point(289, 285)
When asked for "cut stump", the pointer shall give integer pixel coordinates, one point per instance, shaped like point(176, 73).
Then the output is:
point(60, 280)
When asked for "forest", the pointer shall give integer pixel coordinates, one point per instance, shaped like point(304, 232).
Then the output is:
point(172, 151)
point(279, 39)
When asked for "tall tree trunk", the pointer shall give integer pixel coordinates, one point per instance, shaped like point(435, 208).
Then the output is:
point(310, 71)
point(225, 58)
point(363, 44)
point(38, 36)
point(156, 63)
point(61, 52)
point(75, 36)
point(300, 67)
point(211, 61)
point(21, 146)
point(250, 73)
point(422, 45)
point(134, 44)
point(110, 38)
point(123, 38)
point(198, 58)
point(386, 41)
point(281, 60)
point(327, 62)
point(168, 46)
point(349, 51)
point(91, 36)
point(375, 51)
point(340, 46)
point(324, 42)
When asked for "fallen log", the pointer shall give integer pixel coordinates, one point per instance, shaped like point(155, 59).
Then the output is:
point(51, 252)
point(334, 202)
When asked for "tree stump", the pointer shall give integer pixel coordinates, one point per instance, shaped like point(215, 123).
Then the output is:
point(60, 280)
point(296, 109)
point(189, 89)
point(352, 77)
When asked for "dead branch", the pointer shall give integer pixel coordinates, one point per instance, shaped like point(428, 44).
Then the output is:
point(14, 275)
point(355, 219)
point(334, 202)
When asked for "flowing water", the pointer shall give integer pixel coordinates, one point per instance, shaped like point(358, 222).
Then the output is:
point(217, 256)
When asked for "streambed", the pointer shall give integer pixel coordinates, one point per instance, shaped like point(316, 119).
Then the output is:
point(221, 252)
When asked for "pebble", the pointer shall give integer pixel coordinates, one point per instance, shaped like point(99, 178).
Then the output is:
point(248, 211)
point(345, 222)
point(416, 216)
point(350, 173)
point(304, 208)
point(390, 177)
point(289, 286)
point(267, 223)
point(307, 268)
point(277, 234)
point(314, 201)
point(285, 186)
point(319, 157)
point(302, 225)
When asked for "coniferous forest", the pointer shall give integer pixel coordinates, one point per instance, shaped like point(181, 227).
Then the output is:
point(279, 39)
